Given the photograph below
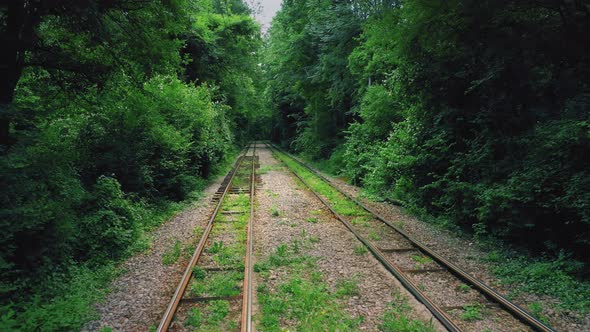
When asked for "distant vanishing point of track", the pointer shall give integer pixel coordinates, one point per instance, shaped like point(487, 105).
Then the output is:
point(234, 218)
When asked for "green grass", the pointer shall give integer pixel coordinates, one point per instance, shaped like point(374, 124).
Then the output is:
point(230, 255)
point(302, 301)
point(216, 247)
point(360, 249)
point(172, 254)
point(536, 309)
point(464, 288)
point(212, 317)
point(348, 286)
point(274, 211)
point(312, 220)
point(199, 273)
point(374, 235)
point(218, 283)
point(361, 221)
point(396, 318)
point(543, 276)
point(340, 203)
point(267, 168)
point(472, 313)
point(316, 212)
point(67, 311)
point(421, 260)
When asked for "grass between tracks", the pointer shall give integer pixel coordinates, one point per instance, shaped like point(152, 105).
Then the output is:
point(228, 256)
point(339, 202)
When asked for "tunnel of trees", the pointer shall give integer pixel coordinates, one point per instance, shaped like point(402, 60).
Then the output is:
point(473, 113)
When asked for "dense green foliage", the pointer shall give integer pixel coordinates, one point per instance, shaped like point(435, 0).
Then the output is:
point(119, 109)
point(474, 112)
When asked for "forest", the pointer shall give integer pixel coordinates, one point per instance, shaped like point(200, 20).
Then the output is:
point(112, 111)
point(474, 115)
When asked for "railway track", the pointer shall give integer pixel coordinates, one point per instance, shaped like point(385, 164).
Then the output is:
point(219, 272)
point(412, 263)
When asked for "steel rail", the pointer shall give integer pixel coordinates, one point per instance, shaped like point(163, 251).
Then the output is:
point(173, 305)
point(511, 307)
point(436, 311)
point(248, 270)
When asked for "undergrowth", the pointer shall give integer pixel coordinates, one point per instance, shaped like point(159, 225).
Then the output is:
point(63, 300)
point(543, 276)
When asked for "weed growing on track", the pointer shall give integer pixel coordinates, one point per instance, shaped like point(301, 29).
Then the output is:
point(274, 211)
point(472, 313)
point(360, 249)
point(316, 212)
point(421, 260)
point(536, 309)
point(340, 203)
point(211, 317)
point(374, 235)
point(215, 247)
point(172, 254)
point(199, 273)
point(362, 221)
point(348, 286)
point(544, 276)
point(226, 255)
point(267, 168)
point(396, 318)
point(464, 288)
point(230, 255)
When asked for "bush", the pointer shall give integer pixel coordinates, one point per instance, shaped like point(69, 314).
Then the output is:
point(108, 225)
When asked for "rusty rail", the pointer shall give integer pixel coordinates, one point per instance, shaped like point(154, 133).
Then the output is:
point(248, 271)
point(186, 277)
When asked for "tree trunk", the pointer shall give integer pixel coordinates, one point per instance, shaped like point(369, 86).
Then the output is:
point(18, 30)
